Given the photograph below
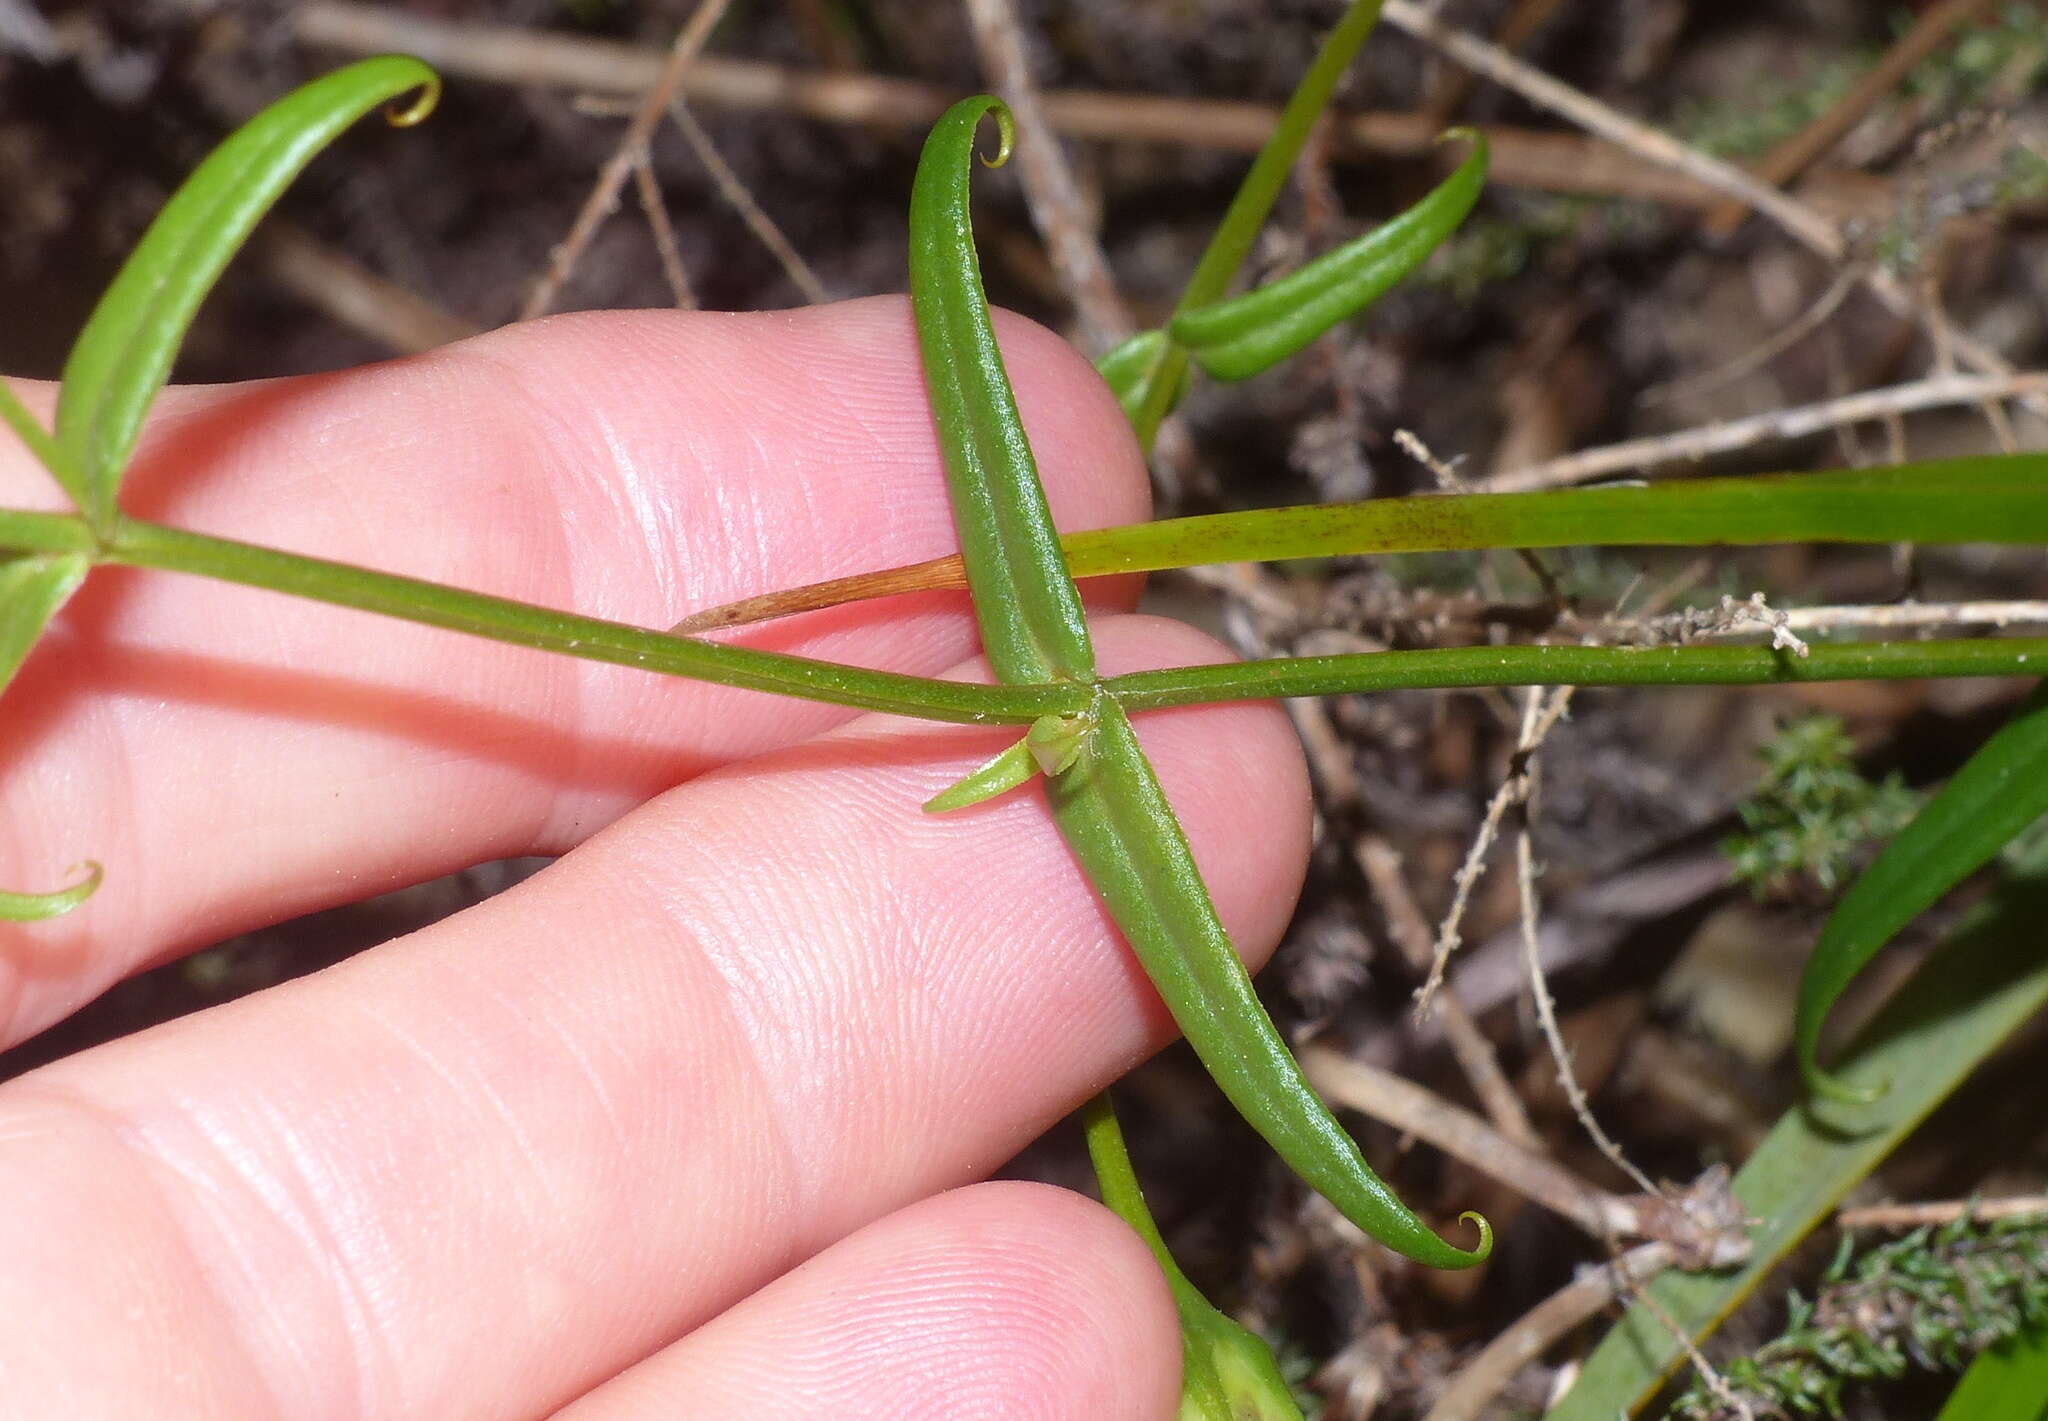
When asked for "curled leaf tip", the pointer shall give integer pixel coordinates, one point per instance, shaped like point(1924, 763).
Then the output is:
point(1482, 1250)
point(421, 106)
point(35, 907)
point(1006, 131)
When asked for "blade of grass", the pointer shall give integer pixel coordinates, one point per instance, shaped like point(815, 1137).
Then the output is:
point(1998, 792)
point(1234, 340)
point(1985, 500)
point(1107, 801)
point(124, 354)
point(1990, 977)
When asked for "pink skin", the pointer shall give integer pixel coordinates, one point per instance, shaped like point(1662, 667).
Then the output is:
point(677, 1119)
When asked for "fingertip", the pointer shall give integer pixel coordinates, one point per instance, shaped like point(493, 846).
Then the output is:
point(1005, 1299)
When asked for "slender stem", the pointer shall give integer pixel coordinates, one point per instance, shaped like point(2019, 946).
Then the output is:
point(25, 532)
point(1575, 666)
point(154, 545)
point(140, 544)
point(1118, 1182)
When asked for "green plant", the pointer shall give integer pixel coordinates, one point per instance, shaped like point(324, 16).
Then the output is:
point(1931, 1300)
point(1020, 572)
point(1812, 811)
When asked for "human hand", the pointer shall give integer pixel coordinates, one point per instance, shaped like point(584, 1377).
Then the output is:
point(670, 1128)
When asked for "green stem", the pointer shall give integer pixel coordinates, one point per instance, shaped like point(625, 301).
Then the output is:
point(25, 532)
point(154, 545)
point(1575, 666)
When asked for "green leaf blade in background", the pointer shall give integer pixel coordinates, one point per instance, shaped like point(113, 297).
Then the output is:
point(1989, 978)
point(1978, 500)
point(1236, 339)
point(123, 356)
point(2007, 1383)
point(33, 587)
point(2002, 500)
point(1999, 791)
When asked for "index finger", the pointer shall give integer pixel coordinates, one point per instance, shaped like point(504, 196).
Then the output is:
point(234, 757)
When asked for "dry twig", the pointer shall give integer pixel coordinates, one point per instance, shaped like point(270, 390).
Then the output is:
point(366, 303)
point(1512, 791)
point(656, 212)
point(1616, 127)
point(1394, 1100)
point(1049, 187)
point(1639, 455)
point(1537, 1330)
point(1914, 1216)
point(765, 231)
point(604, 193)
point(1539, 709)
point(1797, 219)
point(1380, 862)
point(1792, 157)
point(1524, 157)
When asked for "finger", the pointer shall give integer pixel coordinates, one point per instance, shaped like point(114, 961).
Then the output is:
point(1006, 1300)
point(508, 1156)
point(234, 757)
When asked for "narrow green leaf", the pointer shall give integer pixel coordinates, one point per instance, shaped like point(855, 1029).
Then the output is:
point(1990, 977)
point(1108, 802)
point(1128, 368)
point(1999, 499)
point(1165, 380)
point(1030, 612)
point(1015, 766)
point(1236, 339)
point(124, 355)
point(2001, 790)
point(32, 589)
point(1117, 819)
point(34, 907)
point(2007, 1383)
point(29, 430)
point(1228, 1373)
point(2002, 499)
